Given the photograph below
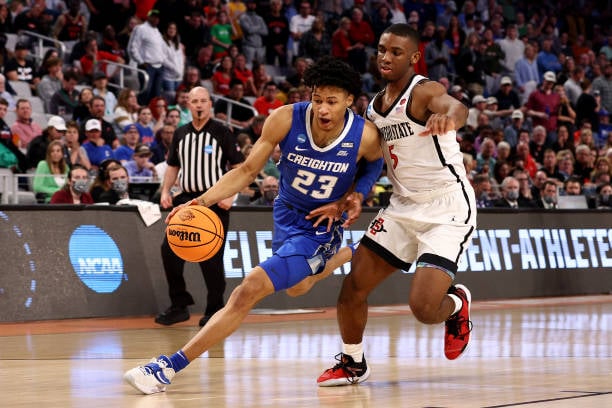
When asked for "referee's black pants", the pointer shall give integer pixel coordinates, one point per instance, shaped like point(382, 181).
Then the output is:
point(213, 270)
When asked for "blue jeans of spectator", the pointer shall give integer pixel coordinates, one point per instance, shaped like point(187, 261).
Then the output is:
point(154, 86)
point(168, 85)
point(169, 90)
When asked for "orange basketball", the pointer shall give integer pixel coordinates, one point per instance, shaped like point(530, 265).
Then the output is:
point(195, 233)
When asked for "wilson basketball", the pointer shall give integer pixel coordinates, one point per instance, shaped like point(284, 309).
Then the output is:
point(195, 233)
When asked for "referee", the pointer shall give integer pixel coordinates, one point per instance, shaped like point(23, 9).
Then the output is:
point(201, 151)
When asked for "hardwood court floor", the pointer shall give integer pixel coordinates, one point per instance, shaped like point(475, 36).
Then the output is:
point(554, 352)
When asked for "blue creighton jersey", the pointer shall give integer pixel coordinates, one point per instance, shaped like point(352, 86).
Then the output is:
point(311, 175)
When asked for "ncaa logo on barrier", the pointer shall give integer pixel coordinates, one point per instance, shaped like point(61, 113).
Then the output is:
point(96, 259)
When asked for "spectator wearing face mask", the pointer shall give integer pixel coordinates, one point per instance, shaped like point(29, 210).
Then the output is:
point(604, 197)
point(75, 191)
point(548, 196)
point(510, 195)
point(117, 182)
point(269, 191)
point(483, 190)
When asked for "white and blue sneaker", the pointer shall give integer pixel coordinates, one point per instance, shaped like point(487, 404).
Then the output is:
point(151, 378)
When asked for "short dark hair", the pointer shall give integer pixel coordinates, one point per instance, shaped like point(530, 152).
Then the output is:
point(259, 119)
point(549, 182)
point(601, 186)
point(573, 179)
point(97, 98)
point(70, 74)
point(72, 124)
point(113, 167)
point(403, 30)
point(234, 82)
point(20, 101)
point(53, 61)
point(102, 169)
point(481, 178)
point(74, 167)
point(330, 71)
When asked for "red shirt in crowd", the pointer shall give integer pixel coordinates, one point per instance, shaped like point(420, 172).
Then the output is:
point(542, 102)
point(340, 45)
point(63, 196)
point(88, 64)
point(265, 107)
point(243, 75)
point(361, 33)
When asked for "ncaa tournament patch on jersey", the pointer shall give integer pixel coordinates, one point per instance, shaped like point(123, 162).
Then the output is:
point(208, 149)
point(301, 138)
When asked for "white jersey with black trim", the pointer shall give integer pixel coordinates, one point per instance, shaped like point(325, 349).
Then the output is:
point(416, 165)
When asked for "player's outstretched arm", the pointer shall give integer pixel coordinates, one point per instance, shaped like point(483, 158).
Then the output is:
point(275, 129)
point(445, 112)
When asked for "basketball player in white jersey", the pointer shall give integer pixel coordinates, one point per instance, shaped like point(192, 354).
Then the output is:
point(431, 215)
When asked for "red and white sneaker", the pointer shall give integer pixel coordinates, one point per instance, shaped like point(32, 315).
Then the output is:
point(458, 326)
point(346, 372)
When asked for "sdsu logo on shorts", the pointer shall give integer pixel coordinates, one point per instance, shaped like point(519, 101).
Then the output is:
point(377, 226)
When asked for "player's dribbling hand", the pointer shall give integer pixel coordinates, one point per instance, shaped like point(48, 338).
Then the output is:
point(352, 207)
point(330, 212)
point(438, 124)
point(178, 208)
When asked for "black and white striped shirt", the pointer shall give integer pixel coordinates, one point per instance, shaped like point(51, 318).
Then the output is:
point(203, 156)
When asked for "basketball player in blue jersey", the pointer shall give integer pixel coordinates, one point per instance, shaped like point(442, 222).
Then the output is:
point(431, 215)
point(323, 145)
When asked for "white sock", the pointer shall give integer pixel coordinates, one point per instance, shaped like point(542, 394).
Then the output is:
point(458, 303)
point(354, 350)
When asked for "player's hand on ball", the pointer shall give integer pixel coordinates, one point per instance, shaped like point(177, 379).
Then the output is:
point(195, 233)
point(178, 208)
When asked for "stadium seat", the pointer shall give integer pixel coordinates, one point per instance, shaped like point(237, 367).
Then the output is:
point(37, 104)
point(41, 118)
point(275, 70)
point(10, 117)
point(11, 40)
point(7, 180)
point(208, 84)
point(22, 88)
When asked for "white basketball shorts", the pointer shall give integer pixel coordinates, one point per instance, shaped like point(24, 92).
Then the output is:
point(434, 229)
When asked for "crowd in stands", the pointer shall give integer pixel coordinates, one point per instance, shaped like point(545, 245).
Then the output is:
point(536, 76)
